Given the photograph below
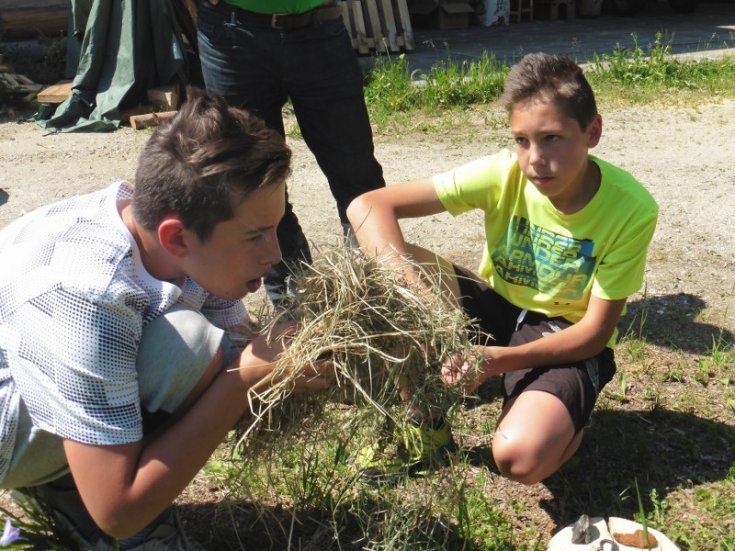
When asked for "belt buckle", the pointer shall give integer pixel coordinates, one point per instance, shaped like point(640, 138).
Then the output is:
point(274, 21)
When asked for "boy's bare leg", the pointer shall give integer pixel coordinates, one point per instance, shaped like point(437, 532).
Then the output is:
point(534, 438)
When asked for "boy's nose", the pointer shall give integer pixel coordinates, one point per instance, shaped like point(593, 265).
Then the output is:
point(273, 252)
point(535, 154)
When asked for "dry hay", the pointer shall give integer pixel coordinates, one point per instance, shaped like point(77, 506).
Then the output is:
point(377, 331)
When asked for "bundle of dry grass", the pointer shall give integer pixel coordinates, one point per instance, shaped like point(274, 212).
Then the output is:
point(379, 333)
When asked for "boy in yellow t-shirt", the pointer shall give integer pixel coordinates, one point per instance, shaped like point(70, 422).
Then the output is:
point(566, 242)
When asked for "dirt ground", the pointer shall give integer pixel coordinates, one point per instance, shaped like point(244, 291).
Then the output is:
point(683, 155)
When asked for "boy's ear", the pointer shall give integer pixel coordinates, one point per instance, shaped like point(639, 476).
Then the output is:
point(172, 235)
point(594, 131)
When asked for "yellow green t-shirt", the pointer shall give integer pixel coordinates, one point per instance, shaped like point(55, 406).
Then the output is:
point(543, 260)
point(276, 6)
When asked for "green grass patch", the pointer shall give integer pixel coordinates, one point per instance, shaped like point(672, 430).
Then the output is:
point(398, 98)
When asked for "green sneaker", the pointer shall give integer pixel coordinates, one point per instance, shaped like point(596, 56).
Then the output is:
point(407, 450)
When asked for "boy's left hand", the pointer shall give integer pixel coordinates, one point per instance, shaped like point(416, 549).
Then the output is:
point(460, 370)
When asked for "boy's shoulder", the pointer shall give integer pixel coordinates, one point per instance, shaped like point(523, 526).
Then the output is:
point(624, 189)
point(78, 240)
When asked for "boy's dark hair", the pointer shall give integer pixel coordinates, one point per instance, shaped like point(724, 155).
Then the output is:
point(555, 79)
point(202, 164)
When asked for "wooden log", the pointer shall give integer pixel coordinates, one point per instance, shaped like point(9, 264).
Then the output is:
point(18, 84)
point(138, 122)
point(56, 93)
point(32, 22)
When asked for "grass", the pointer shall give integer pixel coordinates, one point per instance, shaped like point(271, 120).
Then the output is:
point(661, 448)
point(400, 100)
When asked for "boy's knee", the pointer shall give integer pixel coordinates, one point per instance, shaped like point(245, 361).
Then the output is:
point(175, 353)
point(516, 461)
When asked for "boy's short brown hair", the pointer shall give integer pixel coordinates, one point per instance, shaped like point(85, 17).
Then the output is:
point(204, 163)
point(552, 78)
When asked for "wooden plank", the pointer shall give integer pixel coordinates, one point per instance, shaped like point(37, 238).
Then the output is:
point(359, 22)
point(348, 23)
point(405, 25)
point(139, 122)
point(389, 24)
point(376, 28)
point(56, 93)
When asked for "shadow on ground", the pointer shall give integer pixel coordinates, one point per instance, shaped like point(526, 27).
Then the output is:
point(658, 450)
point(237, 525)
point(671, 321)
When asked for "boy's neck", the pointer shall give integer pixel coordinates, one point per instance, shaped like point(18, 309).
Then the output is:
point(152, 254)
point(587, 189)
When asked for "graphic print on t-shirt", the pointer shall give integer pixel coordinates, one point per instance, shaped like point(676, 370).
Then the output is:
point(532, 256)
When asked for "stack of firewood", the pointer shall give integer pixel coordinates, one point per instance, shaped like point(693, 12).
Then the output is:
point(16, 88)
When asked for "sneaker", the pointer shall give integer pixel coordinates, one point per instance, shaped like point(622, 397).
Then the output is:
point(165, 533)
point(60, 499)
point(408, 450)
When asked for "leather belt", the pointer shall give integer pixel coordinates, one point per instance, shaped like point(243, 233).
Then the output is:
point(288, 21)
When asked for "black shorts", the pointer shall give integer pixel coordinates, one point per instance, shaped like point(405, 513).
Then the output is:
point(576, 384)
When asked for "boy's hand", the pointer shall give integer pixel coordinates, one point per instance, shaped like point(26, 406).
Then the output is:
point(459, 370)
point(314, 377)
point(257, 364)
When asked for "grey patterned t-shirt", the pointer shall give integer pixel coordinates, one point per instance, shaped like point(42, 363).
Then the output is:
point(74, 299)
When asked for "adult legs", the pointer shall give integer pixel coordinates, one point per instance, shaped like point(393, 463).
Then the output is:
point(244, 64)
point(325, 83)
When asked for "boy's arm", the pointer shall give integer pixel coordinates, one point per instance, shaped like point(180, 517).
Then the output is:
point(374, 218)
point(582, 340)
point(124, 487)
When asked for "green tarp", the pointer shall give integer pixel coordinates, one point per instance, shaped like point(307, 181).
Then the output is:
point(125, 48)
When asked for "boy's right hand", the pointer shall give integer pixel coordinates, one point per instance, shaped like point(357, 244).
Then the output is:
point(257, 364)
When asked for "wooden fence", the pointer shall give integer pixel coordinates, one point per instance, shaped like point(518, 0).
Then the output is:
point(378, 25)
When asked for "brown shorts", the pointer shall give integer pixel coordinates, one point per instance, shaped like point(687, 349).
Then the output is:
point(576, 384)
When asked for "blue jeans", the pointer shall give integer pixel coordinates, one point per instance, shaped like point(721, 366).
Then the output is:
point(259, 68)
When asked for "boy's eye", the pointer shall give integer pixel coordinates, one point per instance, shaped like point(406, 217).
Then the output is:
point(553, 138)
point(520, 141)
